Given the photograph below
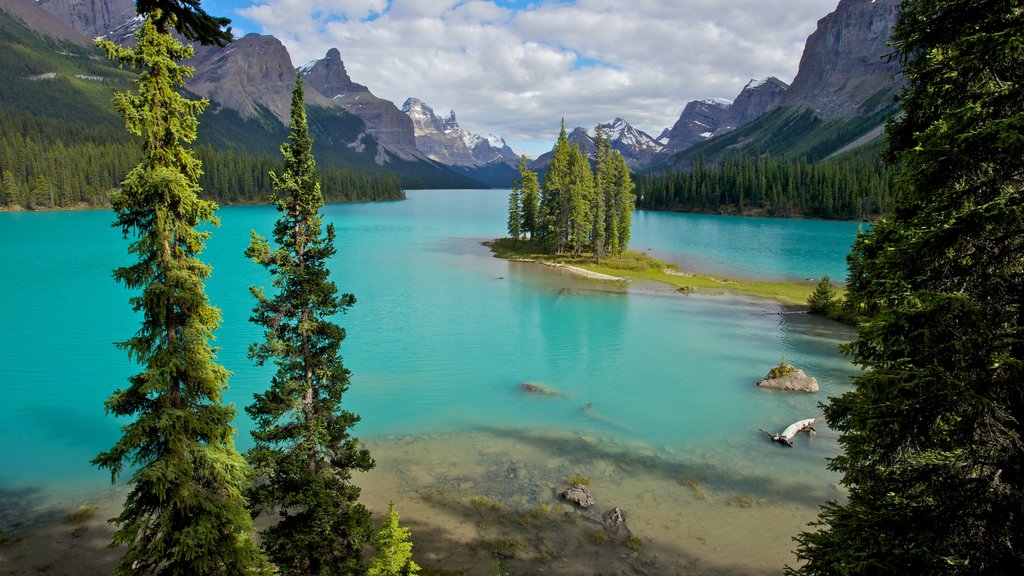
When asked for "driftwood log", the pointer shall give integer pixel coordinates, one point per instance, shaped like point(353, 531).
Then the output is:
point(786, 438)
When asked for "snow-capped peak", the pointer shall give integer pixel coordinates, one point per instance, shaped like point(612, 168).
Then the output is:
point(722, 103)
point(754, 83)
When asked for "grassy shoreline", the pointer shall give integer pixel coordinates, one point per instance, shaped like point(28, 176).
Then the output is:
point(637, 266)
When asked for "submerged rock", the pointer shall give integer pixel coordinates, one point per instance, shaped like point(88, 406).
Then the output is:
point(789, 378)
point(579, 495)
point(614, 522)
point(538, 389)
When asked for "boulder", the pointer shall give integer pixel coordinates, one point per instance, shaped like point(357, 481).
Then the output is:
point(579, 495)
point(614, 522)
point(538, 389)
point(788, 378)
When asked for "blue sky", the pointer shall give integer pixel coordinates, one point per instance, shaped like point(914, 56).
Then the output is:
point(516, 67)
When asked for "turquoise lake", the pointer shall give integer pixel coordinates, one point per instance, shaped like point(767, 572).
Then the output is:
point(442, 334)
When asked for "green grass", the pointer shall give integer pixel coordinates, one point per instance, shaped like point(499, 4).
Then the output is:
point(579, 479)
point(638, 266)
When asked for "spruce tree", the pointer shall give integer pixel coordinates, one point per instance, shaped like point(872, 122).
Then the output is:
point(394, 551)
point(530, 198)
point(185, 513)
point(581, 192)
point(932, 434)
point(555, 203)
point(303, 453)
point(624, 201)
point(188, 18)
point(515, 210)
point(599, 198)
point(824, 299)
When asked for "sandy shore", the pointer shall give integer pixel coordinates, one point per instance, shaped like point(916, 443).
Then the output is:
point(473, 500)
point(575, 270)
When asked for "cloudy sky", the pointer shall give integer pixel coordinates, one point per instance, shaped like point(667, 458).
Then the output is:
point(515, 67)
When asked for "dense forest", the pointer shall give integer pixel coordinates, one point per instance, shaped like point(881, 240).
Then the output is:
point(853, 187)
point(48, 163)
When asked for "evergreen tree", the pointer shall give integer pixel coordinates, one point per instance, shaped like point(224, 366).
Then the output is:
point(581, 191)
point(530, 198)
point(599, 198)
point(185, 513)
point(515, 211)
point(188, 18)
point(824, 299)
point(303, 452)
point(555, 202)
point(394, 551)
point(932, 434)
point(623, 203)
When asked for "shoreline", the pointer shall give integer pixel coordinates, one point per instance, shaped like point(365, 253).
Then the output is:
point(634, 266)
point(476, 500)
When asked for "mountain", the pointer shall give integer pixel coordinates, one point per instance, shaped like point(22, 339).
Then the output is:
point(487, 159)
point(697, 123)
point(388, 125)
point(91, 18)
point(431, 137)
point(637, 147)
point(485, 149)
point(839, 99)
point(253, 76)
point(705, 119)
point(845, 70)
point(249, 85)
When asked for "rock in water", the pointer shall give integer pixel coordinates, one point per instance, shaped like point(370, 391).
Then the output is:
point(539, 389)
point(788, 378)
point(579, 495)
point(615, 525)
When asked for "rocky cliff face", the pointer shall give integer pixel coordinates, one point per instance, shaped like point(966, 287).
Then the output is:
point(43, 22)
point(443, 140)
point(754, 100)
point(252, 74)
point(431, 137)
point(697, 123)
point(91, 17)
point(844, 70)
point(388, 125)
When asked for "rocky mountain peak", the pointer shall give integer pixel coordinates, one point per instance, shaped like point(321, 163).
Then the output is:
point(252, 74)
point(845, 63)
point(388, 125)
point(450, 124)
point(445, 141)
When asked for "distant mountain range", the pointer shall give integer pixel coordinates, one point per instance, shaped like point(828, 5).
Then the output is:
point(839, 98)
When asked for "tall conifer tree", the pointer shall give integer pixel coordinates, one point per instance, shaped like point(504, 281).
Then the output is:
point(515, 210)
point(602, 150)
point(185, 513)
point(932, 434)
point(303, 452)
point(624, 201)
point(530, 198)
point(581, 192)
point(555, 202)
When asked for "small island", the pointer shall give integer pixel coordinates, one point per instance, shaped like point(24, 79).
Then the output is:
point(579, 219)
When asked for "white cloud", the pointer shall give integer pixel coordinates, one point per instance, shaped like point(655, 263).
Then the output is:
point(517, 72)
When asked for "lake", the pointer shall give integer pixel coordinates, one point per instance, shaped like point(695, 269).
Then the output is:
point(657, 388)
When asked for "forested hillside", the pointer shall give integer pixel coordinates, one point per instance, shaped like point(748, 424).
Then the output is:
point(62, 145)
point(852, 186)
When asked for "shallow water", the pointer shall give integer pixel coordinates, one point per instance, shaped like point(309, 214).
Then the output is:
point(439, 340)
